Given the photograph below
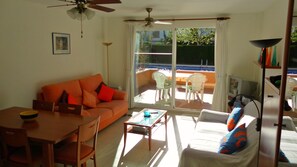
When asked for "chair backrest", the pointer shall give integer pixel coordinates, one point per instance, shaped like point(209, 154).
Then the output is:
point(197, 81)
point(15, 138)
point(160, 79)
point(70, 108)
point(87, 132)
point(43, 105)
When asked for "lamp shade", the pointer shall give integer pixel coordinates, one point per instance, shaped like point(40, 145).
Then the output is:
point(265, 43)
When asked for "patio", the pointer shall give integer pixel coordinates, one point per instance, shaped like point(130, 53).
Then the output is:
point(145, 90)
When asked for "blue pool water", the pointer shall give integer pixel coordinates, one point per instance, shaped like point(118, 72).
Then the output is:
point(292, 71)
point(181, 67)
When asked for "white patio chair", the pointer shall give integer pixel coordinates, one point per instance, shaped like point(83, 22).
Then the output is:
point(163, 85)
point(197, 81)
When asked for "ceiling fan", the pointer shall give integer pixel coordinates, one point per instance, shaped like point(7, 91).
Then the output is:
point(82, 4)
point(149, 20)
point(81, 11)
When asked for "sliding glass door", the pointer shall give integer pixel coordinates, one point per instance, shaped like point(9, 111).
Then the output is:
point(175, 55)
point(153, 63)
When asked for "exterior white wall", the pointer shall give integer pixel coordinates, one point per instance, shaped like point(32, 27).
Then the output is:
point(27, 62)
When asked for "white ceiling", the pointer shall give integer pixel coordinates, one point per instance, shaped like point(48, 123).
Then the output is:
point(178, 8)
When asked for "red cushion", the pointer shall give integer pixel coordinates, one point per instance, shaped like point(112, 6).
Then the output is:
point(71, 99)
point(105, 93)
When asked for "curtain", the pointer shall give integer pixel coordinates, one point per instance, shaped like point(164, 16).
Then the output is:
point(130, 63)
point(219, 101)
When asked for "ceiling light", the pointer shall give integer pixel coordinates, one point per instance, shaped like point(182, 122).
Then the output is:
point(75, 14)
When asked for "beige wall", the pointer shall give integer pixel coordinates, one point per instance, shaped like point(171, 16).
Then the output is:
point(241, 54)
point(115, 31)
point(27, 62)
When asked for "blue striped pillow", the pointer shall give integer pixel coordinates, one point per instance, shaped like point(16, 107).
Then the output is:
point(234, 118)
point(234, 140)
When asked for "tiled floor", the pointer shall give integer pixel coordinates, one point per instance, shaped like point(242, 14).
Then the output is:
point(165, 151)
point(147, 94)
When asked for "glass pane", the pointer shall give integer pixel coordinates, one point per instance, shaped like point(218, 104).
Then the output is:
point(153, 53)
point(195, 54)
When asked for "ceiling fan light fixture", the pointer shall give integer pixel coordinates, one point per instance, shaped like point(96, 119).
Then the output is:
point(76, 15)
point(73, 13)
point(89, 13)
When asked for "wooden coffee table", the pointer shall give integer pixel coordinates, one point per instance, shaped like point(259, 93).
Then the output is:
point(144, 125)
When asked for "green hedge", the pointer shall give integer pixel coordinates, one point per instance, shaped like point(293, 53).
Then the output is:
point(190, 55)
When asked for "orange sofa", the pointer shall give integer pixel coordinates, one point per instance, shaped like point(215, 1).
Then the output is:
point(108, 111)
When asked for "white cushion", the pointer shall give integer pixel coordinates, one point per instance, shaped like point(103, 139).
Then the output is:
point(208, 135)
point(288, 145)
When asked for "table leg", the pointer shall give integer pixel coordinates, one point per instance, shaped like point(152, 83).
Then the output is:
point(150, 137)
point(125, 134)
point(48, 155)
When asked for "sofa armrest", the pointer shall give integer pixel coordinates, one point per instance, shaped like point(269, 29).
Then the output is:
point(289, 123)
point(213, 116)
point(119, 95)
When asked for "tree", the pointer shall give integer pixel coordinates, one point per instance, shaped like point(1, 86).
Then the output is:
point(294, 34)
point(192, 36)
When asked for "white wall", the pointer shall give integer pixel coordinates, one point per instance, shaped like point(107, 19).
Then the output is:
point(27, 62)
point(115, 31)
point(241, 53)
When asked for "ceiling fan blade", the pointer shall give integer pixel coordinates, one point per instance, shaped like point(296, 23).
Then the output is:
point(52, 6)
point(162, 22)
point(67, 1)
point(133, 20)
point(102, 8)
point(103, 1)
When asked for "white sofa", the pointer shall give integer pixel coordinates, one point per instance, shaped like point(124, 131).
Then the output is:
point(288, 143)
point(210, 129)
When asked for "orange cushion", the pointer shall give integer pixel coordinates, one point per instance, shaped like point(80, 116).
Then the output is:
point(90, 83)
point(105, 93)
point(119, 95)
point(89, 99)
point(53, 92)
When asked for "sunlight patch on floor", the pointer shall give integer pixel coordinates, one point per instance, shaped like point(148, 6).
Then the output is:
point(165, 149)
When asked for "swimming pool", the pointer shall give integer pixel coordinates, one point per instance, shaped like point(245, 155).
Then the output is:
point(292, 70)
point(181, 67)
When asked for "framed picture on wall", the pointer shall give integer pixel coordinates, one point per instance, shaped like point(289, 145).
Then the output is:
point(61, 43)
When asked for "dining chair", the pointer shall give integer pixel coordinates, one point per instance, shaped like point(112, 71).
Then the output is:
point(70, 108)
point(43, 105)
point(78, 153)
point(17, 151)
point(195, 85)
point(163, 85)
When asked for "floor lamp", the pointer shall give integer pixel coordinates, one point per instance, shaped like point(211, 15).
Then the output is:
point(107, 60)
point(263, 43)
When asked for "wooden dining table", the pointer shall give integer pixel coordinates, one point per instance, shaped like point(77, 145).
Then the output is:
point(48, 128)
